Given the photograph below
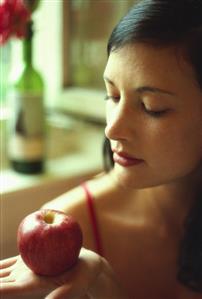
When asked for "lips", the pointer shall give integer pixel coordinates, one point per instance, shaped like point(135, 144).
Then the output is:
point(124, 159)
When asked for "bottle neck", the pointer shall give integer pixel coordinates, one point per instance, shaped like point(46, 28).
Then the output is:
point(27, 52)
point(28, 46)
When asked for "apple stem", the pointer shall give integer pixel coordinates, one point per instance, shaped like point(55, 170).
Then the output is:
point(49, 217)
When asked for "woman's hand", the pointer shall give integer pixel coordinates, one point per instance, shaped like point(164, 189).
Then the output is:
point(91, 277)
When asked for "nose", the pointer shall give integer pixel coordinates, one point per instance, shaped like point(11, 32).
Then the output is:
point(118, 120)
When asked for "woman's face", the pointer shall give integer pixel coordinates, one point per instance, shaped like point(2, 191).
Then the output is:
point(154, 115)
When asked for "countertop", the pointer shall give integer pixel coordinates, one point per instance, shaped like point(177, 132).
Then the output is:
point(74, 148)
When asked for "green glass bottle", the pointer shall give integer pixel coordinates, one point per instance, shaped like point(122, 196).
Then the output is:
point(26, 142)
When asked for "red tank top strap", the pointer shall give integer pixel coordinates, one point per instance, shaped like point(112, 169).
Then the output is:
point(93, 218)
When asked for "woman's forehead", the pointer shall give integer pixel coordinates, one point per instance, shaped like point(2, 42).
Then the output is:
point(144, 55)
point(143, 61)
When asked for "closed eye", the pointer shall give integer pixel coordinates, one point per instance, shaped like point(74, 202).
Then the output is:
point(113, 98)
point(155, 113)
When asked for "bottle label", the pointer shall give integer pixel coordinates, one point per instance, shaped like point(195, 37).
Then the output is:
point(27, 127)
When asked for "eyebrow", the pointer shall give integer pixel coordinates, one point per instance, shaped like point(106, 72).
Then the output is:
point(144, 89)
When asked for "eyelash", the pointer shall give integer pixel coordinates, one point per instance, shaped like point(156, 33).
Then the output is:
point(154, 113)
point(150, 112)
point(114, 99)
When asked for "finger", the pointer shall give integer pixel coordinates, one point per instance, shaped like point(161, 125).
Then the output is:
point(59, 293)
point(76, 282)
point(5, 272)
point(88, 264)
point(8, 262)
point(68, 292)
point(6, 279)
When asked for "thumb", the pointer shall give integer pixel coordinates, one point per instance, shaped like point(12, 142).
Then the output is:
point(76, 282)
point(67, 292)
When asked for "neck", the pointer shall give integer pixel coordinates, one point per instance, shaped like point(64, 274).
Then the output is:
point(176, 199)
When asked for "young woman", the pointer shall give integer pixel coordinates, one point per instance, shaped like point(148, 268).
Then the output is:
point(144, 216)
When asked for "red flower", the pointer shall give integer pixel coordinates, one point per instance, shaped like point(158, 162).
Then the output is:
point(13, 19)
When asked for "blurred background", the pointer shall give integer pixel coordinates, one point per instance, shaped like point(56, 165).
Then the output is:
point(69, 51)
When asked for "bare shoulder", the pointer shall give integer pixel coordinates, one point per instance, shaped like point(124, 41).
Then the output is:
point(73, 202)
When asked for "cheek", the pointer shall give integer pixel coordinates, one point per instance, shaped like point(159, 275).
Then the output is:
point(176, 148)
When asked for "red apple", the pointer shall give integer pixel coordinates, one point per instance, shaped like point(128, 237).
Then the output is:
point(49, 241)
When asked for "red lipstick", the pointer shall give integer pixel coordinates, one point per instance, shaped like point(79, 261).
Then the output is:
point(125, 160)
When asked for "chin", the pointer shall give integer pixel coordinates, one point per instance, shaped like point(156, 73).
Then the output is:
point(128, 178)
point(140, 179)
